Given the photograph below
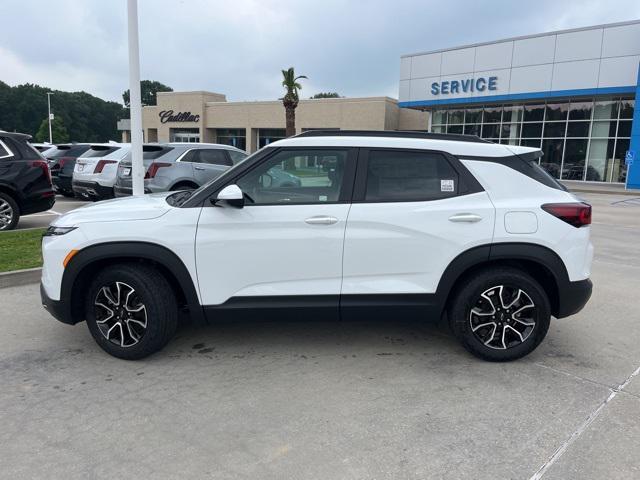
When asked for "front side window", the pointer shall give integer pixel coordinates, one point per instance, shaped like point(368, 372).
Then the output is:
point(296, 177)
point(396, 176)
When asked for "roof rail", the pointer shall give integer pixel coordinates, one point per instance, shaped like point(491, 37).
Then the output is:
point(393, 133)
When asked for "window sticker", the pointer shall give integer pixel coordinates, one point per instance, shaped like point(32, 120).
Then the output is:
point(446, 186)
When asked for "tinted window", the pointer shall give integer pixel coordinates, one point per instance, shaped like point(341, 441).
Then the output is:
point(296, 176)
point(68, 151)
point(214, 157)
point(237, 157)
point(151, 152)
point(98, 151)
point(4, 152)
point(405, 176)
point(190, 156)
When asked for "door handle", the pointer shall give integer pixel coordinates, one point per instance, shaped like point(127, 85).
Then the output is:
point(199, 168)
point(321, 220)
point(465, 217)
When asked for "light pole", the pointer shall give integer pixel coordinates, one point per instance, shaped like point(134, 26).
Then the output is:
point(50, 116)
point(135, 107)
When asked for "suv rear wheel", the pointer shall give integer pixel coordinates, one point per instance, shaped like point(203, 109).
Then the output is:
point(501, 314)
point(9, 212)
point(131, 310)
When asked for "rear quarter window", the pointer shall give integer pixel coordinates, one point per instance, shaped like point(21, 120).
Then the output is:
point(4, 150)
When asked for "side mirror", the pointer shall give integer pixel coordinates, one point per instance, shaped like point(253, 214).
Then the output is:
point(231, 195)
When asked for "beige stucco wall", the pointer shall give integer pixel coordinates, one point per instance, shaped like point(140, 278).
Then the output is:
point(369, 113)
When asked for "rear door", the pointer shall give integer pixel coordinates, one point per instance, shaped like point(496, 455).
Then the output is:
point(413, 212)
point(208, 163)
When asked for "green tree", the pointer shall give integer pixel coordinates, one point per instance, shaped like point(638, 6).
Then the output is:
point(148, 92)
point(58, 131)
point(291, 99)
point(327, 95)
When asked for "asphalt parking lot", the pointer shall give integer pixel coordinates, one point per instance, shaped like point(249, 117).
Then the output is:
point(313, 400)
point(43, 219)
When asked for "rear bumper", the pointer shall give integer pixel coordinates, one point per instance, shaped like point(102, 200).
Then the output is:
point(573, 297)
point(92, 190)
point(37, 204)
point(57, 308)
point(62, 183)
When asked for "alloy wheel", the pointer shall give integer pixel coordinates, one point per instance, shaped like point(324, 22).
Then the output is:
point(503, 317)
point(120, 314)
point(6, 214)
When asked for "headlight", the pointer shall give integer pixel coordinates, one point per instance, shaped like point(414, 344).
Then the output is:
point(55, 231)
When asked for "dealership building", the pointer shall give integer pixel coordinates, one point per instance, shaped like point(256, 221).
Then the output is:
point(571, 93)
point(209, 117)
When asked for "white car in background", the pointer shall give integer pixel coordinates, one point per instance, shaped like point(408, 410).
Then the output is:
point(96, 170)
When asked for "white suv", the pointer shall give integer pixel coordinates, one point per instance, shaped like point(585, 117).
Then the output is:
point(95, 172)
point(392, 225)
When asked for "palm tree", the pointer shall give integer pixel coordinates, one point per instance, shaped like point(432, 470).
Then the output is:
point(290, 99)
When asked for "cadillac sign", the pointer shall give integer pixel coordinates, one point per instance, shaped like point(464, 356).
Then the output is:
point(169, 116)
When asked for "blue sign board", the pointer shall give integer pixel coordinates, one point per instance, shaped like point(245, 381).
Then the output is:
point(466, 85)
point(629, 157)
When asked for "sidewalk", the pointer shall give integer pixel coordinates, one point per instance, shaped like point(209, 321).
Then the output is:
point(599, 187)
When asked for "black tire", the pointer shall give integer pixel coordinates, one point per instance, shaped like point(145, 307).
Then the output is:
point(487, 342)
point(152, 291)
point(10, 211)
point(184, 186)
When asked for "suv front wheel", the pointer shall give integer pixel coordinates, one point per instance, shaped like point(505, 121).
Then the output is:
point(9, 212)
point(500, 314)
point(131, 310)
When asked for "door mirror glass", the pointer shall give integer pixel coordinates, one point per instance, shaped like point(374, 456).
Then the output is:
point(231, 195)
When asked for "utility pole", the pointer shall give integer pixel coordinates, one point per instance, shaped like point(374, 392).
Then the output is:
point(135, 103)
point(50, 115)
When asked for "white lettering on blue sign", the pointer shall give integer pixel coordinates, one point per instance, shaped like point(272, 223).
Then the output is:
point(466, 85)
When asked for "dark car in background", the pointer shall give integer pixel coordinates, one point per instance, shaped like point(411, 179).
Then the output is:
point(62, 161)
point(25, 180)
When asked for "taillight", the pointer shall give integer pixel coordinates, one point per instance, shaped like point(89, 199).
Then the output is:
point(154, 167)
point(63, 160)
point(100, 165)
point(577, 214)
point(42, 164)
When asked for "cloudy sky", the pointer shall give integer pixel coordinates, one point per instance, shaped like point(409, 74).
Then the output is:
point(238, 47)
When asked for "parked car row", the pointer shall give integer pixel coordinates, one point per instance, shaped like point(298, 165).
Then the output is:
point(103, 170)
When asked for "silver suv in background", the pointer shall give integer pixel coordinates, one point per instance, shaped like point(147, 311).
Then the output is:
point(178, 166)
point(95, 171)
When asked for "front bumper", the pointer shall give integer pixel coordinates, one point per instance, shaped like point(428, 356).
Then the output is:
point(57, 308)
point(92, 190)
point(573, 297)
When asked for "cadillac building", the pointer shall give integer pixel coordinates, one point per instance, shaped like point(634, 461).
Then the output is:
point(571, 93)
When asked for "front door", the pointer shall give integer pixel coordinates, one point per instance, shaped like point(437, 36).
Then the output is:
point(285, 246)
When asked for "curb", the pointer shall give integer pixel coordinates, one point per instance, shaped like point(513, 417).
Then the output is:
point(17, 278)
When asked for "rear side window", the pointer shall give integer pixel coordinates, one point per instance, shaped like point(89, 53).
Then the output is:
point(213, 157)
point(68, 151)
point(236, 157)
point(397, 176)
point(4, 150)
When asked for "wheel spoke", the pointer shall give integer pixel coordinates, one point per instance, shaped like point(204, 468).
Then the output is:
point(493, 334)
point(477, 327)
point(111, 312)
point(105, 291)
point(114, 303)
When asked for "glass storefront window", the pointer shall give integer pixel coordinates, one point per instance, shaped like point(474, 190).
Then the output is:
point(578, 129)
point(455, 116)
point(491, 130)
point(531, 142)
point(531, 130)
point(605, 110)
point(510, 132)
point(624, 128)
point(439, 117)
point(556, 111)
point(575, 155)
point(554, 129)
point(472, 129)
point(454, 128)
point(626, 108)
point(580, 110)
point(512, 114)
point(236, 137)
point(600, 151)
point(618, 167)
point(533, 113)
point(473, 115)
point(439, 129)
point(492, 114)
point(552, 158)
point(269, 135)
point(604, 128)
